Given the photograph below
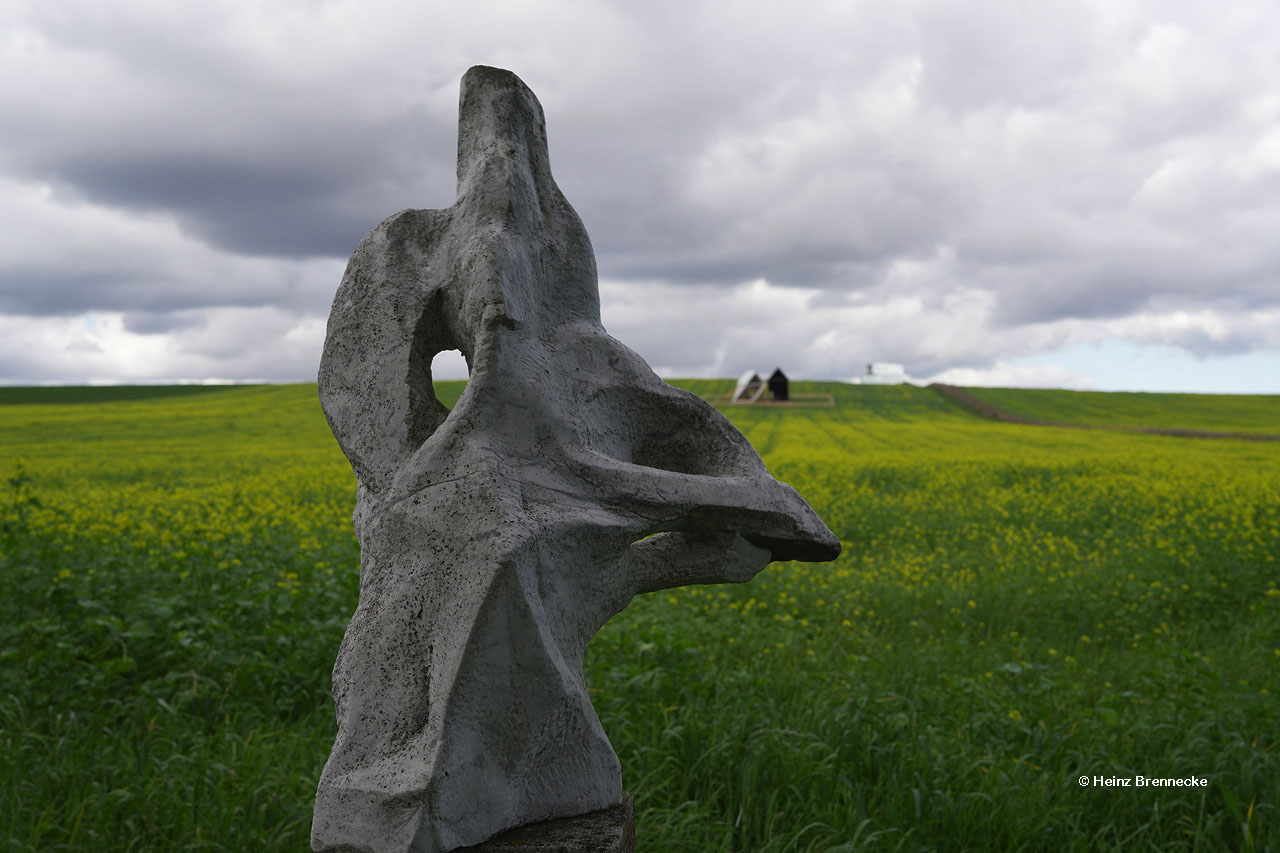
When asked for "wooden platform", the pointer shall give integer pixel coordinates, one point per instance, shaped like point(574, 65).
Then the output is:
point(797, 401)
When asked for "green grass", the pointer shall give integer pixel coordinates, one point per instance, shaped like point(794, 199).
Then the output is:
point(1256, 413)
point(13, 395)
point(1016, 607)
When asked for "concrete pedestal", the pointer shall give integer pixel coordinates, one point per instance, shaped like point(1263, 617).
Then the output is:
point(611, 830)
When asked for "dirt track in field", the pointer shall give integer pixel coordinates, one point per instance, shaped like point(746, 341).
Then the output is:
point(987, 410)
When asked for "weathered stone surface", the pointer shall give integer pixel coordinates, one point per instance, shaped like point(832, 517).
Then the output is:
point(496, 539)
point(611, 830)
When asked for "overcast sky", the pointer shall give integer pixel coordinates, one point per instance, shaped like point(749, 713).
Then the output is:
point(1073, 194)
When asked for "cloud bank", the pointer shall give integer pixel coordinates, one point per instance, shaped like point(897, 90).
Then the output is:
point(957, 187)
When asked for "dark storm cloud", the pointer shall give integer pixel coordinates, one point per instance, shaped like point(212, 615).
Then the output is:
point(304, 195)
point(1054, 295)
point(43, 291)
point(116, 284)
point(159, 323)
point(278, 209)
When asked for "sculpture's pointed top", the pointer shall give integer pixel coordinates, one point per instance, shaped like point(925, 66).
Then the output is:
point(499, 116)
point(506, 192)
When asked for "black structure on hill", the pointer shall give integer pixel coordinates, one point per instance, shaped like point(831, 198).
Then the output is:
point(779, 385)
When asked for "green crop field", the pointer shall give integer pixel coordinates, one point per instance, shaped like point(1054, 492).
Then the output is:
point(1017, 607)
point(1224, 412)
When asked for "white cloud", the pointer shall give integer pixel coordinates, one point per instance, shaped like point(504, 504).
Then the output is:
point(1005, 375)
point(1203, 332)
point(714, 331)
point(236, 344)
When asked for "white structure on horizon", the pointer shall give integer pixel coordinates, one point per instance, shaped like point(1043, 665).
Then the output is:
point(749, 388)
point(884, 373)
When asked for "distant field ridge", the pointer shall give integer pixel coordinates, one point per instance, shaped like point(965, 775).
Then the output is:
point(987, 410)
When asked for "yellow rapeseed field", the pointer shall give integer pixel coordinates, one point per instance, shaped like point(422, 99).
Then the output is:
point(1016, 608)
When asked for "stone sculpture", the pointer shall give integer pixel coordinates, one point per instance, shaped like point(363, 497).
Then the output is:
point(498, 537)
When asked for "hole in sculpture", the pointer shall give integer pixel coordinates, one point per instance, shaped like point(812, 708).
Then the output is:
point(449, 372)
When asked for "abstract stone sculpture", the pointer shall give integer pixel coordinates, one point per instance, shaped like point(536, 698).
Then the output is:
point(498, 537)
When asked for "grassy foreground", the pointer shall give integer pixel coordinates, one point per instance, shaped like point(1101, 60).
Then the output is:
point(1017, 607)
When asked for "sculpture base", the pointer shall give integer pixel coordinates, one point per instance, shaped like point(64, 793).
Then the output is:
point(611, 830)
